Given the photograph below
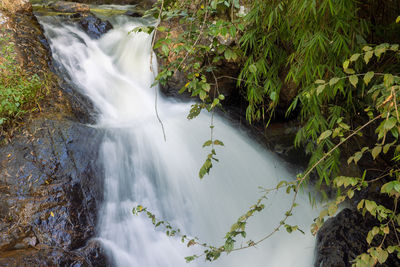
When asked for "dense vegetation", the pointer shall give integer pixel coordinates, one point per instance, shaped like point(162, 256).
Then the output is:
point(333, 64)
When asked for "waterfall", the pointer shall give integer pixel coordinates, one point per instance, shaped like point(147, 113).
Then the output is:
point(142, 168)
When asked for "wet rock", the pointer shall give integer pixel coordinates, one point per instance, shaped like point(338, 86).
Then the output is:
point(51, 184)
point(133, 14)
point(50, 181)
point(94, 26)
point(70, 7)
point(342, 238)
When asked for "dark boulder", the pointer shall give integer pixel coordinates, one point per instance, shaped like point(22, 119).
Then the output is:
point(134, 14)
point(50, 191)
point(342, 238)
point(92, 25)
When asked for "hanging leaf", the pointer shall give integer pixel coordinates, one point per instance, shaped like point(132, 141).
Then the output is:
point(320, 88)
point(388, 80)
point(346, 64)
point(367, 48)
point(357, 156)
point(382, 256)
point(389, 123)
point(324, 135)
point(353, 80)
point(368, 55)
point(349, 71)
point(333, 81)
point(368, 76)
point(207, 143)
point(375, 152)
point(218, 143)
point(354, 57)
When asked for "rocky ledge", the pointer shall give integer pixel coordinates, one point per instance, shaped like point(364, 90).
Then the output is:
point(50, 181)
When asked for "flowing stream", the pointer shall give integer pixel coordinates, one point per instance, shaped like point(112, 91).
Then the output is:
point(141, 168)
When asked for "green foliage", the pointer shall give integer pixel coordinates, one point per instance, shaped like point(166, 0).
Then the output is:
point(18, 91)
point(375, 100)
point(307, 46)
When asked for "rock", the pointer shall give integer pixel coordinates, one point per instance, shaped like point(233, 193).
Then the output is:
point(94, 26)
point(30, 44)
point(51, 186)
point(16, 6)
point(342, 238)
point(70, 7)
point(133, 14)
point(50, 181)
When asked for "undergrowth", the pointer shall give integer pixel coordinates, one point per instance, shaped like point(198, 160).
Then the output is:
point(20, 92)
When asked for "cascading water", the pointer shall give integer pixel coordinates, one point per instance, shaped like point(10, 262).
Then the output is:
point(141, 168)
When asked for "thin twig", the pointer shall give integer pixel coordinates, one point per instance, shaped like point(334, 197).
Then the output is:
point(151, 69)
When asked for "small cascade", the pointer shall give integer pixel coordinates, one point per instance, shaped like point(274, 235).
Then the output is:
point(141, 168)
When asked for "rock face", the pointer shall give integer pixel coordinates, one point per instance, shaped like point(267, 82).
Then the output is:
point(343, 237)
point(50, 179)
point(50, 190)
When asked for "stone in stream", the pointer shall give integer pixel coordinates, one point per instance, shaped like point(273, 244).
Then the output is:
point(92, 25)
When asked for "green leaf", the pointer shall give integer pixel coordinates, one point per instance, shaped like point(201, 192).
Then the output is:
point(375, 152)
point(360, 204)
point(353, 80)
point(388, 80)
point(354, 57)
point(218, 143)
point(189, 258)
point(324, 135)
point(349, 71)
point(346, 64)
point(386, 148)
point(332, 209)
point(370, 206)
point(368, 76)
point(207, 143)
point(368, 55)
point(382, 256)
point(367, 48)
point(319, 81)
point(203, 95)
point(333, 81)
point(320, 88)
point(350, 193)
point(389, 123)
point(273, 96)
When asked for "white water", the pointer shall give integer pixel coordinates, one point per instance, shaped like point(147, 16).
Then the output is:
point(141, 168)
